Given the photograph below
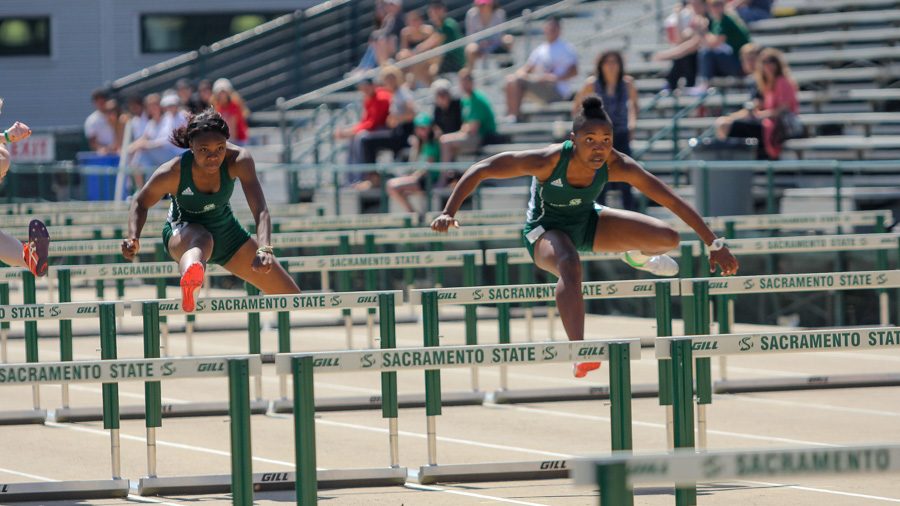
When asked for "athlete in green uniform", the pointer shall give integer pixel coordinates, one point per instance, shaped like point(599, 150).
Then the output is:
point(562, 218)
point(200, 227)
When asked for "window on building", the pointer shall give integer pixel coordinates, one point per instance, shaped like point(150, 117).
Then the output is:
point(178, 33)
point(24, 36)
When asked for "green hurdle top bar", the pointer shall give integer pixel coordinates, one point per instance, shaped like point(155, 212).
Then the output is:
point(382, 220)
point(116, 371)
point(120, 214)
point(793, 221)
point(61, 311)
point(267, 303)
point(520, 255)
point(686, 467)
point(445, 357)
point(856, 280)
point(426, 235)
point(840, 339)
point(545, 292)
point(330, 263)
point(137, 270)
point(813, 243)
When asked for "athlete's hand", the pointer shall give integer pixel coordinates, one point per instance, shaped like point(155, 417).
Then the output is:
point(725, 260)
point(443, 223)
point(18, 132)
point(263, 262)
point(130, 248)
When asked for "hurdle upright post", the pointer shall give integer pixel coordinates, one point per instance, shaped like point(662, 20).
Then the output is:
point(4, 326)
point(160, 254)
point(306, 482)
point(704, 374)
point(284, 328)
point(98, 259)
point(683, 406)
point(881, 263)
point(152, 389)
point(343, 278)
point(725, 310)
point(388, 327)
point(64, 282)
point(108, 351)
point(620, 396)
point(239, 415)
point(254, 345)
point(526, 276)
point(471, 312)
point(612, 481)
point(503, 313)
point(370, 284)
point(663, 296)
point(432, 376)
point(29, 296)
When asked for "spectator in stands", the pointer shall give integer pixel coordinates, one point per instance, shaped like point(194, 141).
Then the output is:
point(375, 108)
point(749, 57)
point(447, 108)
point(620, 100)
point(684, 30)
point(414, 33)
point(385, 39)
point(189, 99)
point(134, 119)
point(100, 132)
point(547, 74)
point(721, 45)
point(204, 93)
point(399, 120)
point(483, 15)
point(229, 104)
point(112, 111)
point(779, 102)
point(424, 147)
point(154, 147)
point(479, 125)
point(446, 30)
point(752, 10)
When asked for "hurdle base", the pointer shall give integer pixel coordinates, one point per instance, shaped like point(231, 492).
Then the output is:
point(566, 394)
point(63, 490)
point(136, 412)
point(495, 471)
point(374, 402)
point(24, 417)
point(327, 478)
point(806, 383)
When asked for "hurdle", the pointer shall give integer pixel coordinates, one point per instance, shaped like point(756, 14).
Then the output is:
point(660, 290)
point(681, 351)
point(431, 359)
point(617, 474)
point(110, 373)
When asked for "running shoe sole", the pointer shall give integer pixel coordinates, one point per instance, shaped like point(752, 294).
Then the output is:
point(191, 281)
point(37, 251)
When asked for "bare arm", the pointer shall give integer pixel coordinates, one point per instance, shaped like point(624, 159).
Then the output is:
point(244, 168)
point(632, 104)
point(163, 181)
point(533, 162)
point(17, 132)
point(624, 169)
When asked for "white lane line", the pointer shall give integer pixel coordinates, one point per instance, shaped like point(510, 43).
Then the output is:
point(595, 418)
point(168, 400)
point(798, 404)
point(25, 475)
point(826, 491)
point(439, 438)
point(137, 498)
point(159, 442)
point(432, 488)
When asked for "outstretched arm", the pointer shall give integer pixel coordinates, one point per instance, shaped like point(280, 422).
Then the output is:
point(245, 170)
point(623, 168)
point(19, 131)
point(163, 181)
point(533, 162)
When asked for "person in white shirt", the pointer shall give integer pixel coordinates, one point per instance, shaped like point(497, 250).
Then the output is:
point(100, 133)
point(547, 74)
point(154, 147)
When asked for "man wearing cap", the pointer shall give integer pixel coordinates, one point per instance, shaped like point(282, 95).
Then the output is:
point(447, 108)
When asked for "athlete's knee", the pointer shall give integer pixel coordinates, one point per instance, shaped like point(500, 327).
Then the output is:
point(667, 239)
point(569, 266)
point(201, 239)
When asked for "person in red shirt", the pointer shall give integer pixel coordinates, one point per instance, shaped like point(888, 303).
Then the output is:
point(376, 105)
point(229, 104)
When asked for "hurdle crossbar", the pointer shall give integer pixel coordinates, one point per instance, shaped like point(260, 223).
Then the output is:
point(617, 474)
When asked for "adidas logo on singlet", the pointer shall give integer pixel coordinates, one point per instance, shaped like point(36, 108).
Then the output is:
point(187, 191)
point(556, 182)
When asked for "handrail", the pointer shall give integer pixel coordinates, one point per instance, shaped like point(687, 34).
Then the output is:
point(295, 102)
point(673, 128)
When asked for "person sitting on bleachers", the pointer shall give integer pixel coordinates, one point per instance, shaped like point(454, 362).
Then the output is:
point(384, 40)
point(447, 108)
point(547, 74)
point(413, 34)
point(425, 148)
point(399, 119)
point(721, 45)
point(446, 30)
point(749, 57)
point(481, 16)
point(375, 108)
point(779, 104)
point(99, 130)
point(684, 30)
point(620, 100)
point(479, 124)
point(752, 10)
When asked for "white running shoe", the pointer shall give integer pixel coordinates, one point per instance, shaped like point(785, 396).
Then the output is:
point(658, 265)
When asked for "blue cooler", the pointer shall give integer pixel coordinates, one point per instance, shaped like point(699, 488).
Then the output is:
point(98, 186)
